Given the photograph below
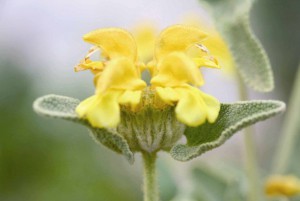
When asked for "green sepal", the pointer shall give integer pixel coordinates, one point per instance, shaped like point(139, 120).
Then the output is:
point(232, 118)
point(63, 107)
point(232, 21)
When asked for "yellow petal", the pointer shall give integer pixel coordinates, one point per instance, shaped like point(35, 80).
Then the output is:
point(95, 66)
point(215, 44)
point(190, 109)
point(168, 94)
point(194, 107)
point(107, 112)
point(97, 77)
point(219, 49)
point(177, 38)
point(145, 38)
point(152, 67)
point(213, 106)
point(175, 70)
point(197, 50)
point(282, 185)
point(131, 98)
point(120, 74)
point(114, 42)
point(85, 105)
point(206, 62)
point(101, 110)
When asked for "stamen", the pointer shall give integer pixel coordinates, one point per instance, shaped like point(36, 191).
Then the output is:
point(82, 65)
point(91, 51)
point(213, 59)
point(202, 48)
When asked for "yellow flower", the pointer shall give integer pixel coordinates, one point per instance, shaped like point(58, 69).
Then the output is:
point(177, 56)
point(281, 185)
point(176, 75)
point(117, 77)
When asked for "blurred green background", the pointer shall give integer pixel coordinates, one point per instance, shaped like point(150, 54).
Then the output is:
point(46, 159)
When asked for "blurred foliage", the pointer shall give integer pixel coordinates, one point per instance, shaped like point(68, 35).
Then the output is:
point(231, 19)
point(287, 158)
point(47, 160)
point(227, 183)
point(167, 184)
point(290, 139)
point(276, 23)
point(219, 181)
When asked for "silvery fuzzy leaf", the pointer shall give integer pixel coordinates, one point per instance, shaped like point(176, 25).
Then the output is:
point(63, 107)
point(232, 21)
point(232, 118)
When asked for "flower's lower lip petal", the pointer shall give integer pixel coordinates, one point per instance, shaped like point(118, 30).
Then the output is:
point(84, 106)
point(168, 95)
point(131, 98)
point(106, 112)
point(213, 106)
point(190, 108)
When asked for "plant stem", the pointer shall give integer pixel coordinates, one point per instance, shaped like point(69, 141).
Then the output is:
point(251, 165)
point(250, 155)
point(290, 131)
point(150, 180)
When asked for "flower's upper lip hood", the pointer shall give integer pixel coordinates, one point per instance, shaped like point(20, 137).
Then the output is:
point(114, 42)
point(177, 38)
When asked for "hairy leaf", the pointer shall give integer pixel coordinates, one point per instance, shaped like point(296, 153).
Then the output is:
point(57, 107)
point(232, 118)
point(64, 108)
point(114, 141)
point(232, 21)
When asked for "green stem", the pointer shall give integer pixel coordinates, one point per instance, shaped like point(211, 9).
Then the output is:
point(150, 180)
point(290, 131)
point(250, 154)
